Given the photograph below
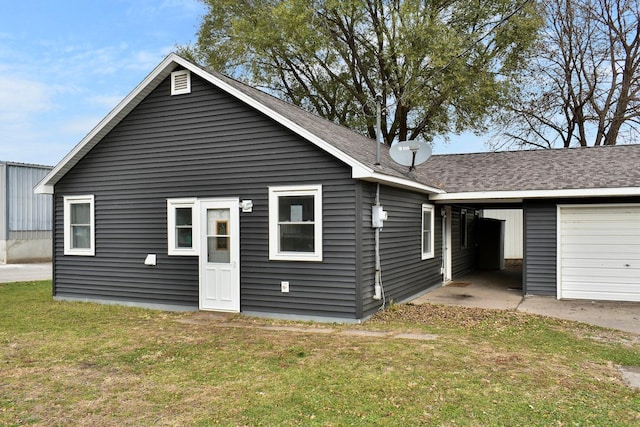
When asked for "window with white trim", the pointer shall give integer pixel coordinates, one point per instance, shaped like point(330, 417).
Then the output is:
point(79, 225)
point(428, 222)
point(182, 227)
point(295, 223)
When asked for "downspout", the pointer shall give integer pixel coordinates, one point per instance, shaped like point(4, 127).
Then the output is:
point(377, 287)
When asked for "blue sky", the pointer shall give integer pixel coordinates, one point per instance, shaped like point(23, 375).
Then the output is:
point(65, 64)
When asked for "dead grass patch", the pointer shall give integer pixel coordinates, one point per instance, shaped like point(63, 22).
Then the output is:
point(85, 364)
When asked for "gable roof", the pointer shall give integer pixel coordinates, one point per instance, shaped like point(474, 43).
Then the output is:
point(567, 172)
point(355, 150)
point(491, 176)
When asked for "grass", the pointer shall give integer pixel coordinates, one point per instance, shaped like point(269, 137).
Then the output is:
point(65, 363)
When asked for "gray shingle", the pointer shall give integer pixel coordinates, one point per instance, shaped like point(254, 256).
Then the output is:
point(575, 168)
point(570, 168)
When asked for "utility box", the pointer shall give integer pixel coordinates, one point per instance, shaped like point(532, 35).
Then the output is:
point(378, 216)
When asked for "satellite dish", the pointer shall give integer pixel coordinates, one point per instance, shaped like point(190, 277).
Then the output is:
point(410, 153)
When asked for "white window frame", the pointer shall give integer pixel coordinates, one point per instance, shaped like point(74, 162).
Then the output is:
point(174, 75)
point(274, 236)
point(431, 253)
point(68, 202)
point(172, 205)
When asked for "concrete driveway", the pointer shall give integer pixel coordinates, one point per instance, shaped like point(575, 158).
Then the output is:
point(24, 272)
point(503, 290)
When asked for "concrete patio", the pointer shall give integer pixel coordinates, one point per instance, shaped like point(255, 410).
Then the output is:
point(502, 290)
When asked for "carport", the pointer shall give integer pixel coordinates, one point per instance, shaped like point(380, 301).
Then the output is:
point(581, 237)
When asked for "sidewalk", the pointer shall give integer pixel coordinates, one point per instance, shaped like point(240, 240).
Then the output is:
point(25, 272)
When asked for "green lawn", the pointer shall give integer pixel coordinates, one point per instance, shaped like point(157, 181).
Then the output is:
point(85, 364)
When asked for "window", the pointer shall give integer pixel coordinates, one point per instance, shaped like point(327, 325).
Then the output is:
point(181, 227)
point(463, 228)
point(427, 231)
point(79, 232)
point(295, 223)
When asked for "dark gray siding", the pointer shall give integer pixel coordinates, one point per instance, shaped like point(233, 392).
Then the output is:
point(463, 260)
point(204, 144)
point(404, 272)
point(539, 263)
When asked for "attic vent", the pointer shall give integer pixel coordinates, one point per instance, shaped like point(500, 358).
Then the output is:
point(180, 82)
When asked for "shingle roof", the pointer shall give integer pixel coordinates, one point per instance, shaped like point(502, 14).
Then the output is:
point(615, 166)
point(354, 144)
point(579, 168)
point(574, 168)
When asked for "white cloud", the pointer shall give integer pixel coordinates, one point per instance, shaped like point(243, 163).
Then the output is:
point(21, 97)
point(106, 101)
point(79, 126)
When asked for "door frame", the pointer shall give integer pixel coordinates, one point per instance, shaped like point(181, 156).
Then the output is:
point(233, 204)
point(446, 244)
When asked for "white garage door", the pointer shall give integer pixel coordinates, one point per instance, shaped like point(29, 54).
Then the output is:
point(599, 252)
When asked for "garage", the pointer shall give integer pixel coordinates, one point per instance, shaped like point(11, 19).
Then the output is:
point(599, 252)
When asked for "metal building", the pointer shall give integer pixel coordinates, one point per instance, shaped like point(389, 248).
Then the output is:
point(25, 217)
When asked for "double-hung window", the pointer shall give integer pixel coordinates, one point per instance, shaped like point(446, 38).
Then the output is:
point(182, 227)
point(295, 223)
point(79, 227)
point(427, 231)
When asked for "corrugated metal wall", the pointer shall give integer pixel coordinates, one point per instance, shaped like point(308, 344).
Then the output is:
point(27, 213)
point(3, 204)
point(513, 230)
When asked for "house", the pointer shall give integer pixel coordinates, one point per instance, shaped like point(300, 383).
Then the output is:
point(25, 217)
point(199, 192)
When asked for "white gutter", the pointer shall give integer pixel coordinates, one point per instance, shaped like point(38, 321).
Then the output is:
point(518, 195)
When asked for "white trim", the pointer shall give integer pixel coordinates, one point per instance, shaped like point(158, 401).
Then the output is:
point(446, 241)
point(124, 107)
point(164, 69)
point(428, 254)
point(518, 195)
point(392, 181)
point(172, 205)
point(300, 190)
point(558, 252)
point(270, 113)
point(177, 74)
point(68, 202)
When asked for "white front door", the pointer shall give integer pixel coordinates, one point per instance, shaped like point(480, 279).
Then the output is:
point(219, 255)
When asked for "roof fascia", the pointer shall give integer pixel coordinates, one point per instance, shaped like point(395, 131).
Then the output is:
point(358, 169)
point(124, 107)
point(397, 182)
point(289, 124)
point(535, 194)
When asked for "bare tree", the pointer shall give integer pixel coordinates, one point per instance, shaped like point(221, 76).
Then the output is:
point(582, 85)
